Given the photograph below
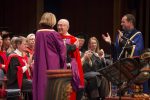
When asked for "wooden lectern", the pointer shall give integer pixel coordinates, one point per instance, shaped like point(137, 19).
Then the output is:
point(59, 84)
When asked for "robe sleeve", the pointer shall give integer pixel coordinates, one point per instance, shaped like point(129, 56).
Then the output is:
point(79, 65)
point(76, 55)
point(59, 43)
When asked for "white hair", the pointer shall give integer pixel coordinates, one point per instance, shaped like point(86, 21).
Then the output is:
point(65, 21)
point(31, 34)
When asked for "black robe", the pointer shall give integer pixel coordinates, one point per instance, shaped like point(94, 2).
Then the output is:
point(96, 84)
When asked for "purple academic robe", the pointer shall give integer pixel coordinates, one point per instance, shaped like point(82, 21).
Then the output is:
point(50, 53)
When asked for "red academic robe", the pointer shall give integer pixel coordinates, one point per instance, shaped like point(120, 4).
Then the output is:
point(14, 71)
point(3, 58)
point(76, 55)
point(29, 51)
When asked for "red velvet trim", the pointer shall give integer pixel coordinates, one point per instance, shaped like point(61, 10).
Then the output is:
point(23, 64)
point(0, 66)
point(78, 59)
point(29, 50)
point(27, 72)
point(73, 95)
point(76, 55)
point(72, 38)
point(2, 93)
point(4, 57)
point(19, 76)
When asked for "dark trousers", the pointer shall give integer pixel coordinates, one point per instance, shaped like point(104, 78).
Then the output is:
point(27, 89)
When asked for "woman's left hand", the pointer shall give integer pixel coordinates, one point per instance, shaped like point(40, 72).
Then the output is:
point(101, 53)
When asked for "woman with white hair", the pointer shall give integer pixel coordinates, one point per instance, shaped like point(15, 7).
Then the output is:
point(30, 44)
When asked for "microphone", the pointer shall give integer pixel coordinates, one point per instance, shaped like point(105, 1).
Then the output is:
point(125, 38)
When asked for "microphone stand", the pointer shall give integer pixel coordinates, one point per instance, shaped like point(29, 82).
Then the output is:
point(118, 59)
point(123, 49)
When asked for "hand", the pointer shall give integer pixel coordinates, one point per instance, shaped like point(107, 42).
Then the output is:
point(120, 34)
point(30, 60)
point(77, 43)
point(3, 66)
point(28, 66)
point(106, 38)
point(87, 55)
point(101, 53)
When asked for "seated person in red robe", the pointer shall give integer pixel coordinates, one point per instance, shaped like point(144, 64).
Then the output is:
point(3, 60)
point(30, 44)
point(18, 68)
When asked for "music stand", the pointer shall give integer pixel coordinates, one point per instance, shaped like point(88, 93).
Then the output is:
point(124, 70)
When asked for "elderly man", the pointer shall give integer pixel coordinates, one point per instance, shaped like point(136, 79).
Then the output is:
point(73, 57)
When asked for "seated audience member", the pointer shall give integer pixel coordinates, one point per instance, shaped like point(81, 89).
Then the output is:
point(3, 60)
point(18, 69)
point(97, 86)
point(12, 46)
point(82, 42)
point(30, 44)
point(30, 48)
point(6, 40)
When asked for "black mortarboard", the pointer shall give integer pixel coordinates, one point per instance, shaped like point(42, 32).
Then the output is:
point(82, 36)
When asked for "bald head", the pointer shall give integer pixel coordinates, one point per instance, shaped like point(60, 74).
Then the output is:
point(63, 26)
point(64, 22)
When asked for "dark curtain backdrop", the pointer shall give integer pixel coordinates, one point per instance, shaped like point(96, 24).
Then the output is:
point(19, 16)
point(141, 10)
point(92, 17)
point(85, 16)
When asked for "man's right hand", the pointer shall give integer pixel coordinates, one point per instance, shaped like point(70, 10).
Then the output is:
point(120, 34)
point(107, 38)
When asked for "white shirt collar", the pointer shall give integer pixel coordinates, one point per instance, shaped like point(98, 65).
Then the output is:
point(18, 52)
